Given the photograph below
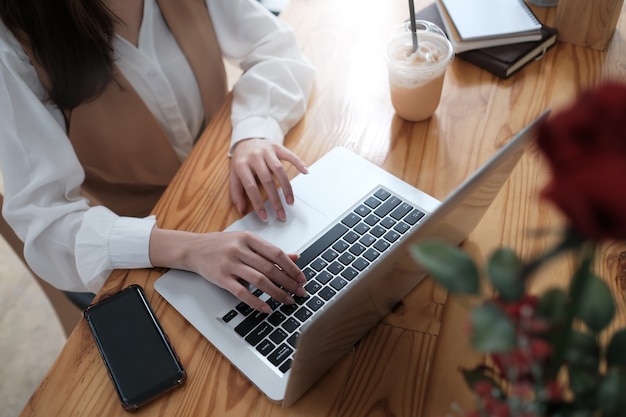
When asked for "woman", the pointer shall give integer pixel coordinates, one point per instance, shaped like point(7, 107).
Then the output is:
point(101, 101)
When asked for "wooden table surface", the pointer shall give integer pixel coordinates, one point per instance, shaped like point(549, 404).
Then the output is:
point(408, 364)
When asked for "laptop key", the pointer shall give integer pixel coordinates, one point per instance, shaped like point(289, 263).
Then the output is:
point(387, 206)
point(265, 347)
point(351, 219)
point(323, 277)
point(280, 354)
point(338, 283)
point(401, 227)
point(250, 323)
point(360, 264)
point(381, 245)
point(362, 210)
point(303, 314)
point(414, 217)
point(401, 211)
point(312, 287)
point(371, 254)
point(349, 273)
point(259, 332)
point(229, 316)
point(244, 308)
point(288, 308)
point(327, 293)
point(276, 318)
point(382, 194)
point(330, 255)
point(321, 244)
point(335, 268)
point(293, 339)
point(392, 236)
point(318, 264)
point(290, 325)
point(315, 303)
point(285, 366)
point(372, 202)
point(378, 231)
point(346, 258)
point(278, 335)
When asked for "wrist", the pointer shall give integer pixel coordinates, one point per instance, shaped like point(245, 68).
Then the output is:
point(170, 248)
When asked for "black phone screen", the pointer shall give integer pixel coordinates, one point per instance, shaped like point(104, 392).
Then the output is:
point(138, 356)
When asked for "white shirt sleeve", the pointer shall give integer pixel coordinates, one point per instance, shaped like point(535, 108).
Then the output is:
point(66, 243)
point(272, 94)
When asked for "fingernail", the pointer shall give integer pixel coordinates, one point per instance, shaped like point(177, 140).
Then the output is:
point(289, 200)
point(289, 300)
point(282, 215)
point(263, 215)
point(266, 309)
point(300, 292)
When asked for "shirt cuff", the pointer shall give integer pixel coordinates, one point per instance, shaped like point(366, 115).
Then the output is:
point(256, 127)
point(129, 243)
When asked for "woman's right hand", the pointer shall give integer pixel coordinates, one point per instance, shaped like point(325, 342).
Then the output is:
point(228, 258)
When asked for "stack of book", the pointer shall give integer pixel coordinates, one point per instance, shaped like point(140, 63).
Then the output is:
point(500, 36)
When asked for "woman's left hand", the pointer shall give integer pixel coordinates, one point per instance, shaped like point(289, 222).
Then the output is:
point(257, 163)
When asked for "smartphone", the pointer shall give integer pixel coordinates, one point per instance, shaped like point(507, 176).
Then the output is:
point(138, 356)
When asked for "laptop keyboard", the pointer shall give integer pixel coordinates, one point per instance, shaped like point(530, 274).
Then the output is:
point(330, 264)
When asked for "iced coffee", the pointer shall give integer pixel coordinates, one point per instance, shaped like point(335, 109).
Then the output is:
point(417, 70)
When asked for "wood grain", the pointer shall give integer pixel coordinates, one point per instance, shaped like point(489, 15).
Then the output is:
point(409, 364)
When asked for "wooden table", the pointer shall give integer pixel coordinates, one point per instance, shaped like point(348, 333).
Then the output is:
point(407, 365)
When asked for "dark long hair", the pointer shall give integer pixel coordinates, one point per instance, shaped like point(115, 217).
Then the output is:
point(70, 39)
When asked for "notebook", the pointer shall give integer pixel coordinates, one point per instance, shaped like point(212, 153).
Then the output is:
point(502, 60)
point(338, 202)
point(483, 19)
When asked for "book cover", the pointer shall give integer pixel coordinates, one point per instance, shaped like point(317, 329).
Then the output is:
point(482, 19)
point(503, 60)
point(461, 45)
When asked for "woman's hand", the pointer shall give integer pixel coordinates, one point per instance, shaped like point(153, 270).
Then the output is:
point(258, 163)
point(228, 258)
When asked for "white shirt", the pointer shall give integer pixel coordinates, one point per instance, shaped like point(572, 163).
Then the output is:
point(75, 247)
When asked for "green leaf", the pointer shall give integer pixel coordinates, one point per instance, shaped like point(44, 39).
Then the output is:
point(504, 270)
point(448, 265)
point(616, 351)
point(482, 373)
point(553, 306)
point(492, 330)
point(611, 391)
point(583, 384)
point(583, 352)
point(596, 307)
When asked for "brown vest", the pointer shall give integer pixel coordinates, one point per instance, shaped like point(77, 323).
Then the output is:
point(127, 158)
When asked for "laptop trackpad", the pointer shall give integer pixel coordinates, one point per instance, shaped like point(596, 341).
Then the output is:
point(303, 223)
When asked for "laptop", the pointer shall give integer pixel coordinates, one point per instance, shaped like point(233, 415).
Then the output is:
point(352, 224)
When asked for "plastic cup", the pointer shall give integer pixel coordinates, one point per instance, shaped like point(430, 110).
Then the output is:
point(416, 77)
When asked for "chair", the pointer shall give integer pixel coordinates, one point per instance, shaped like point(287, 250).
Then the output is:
point(67, 305)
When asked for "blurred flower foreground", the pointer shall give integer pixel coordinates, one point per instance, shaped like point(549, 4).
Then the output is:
point(544, 355)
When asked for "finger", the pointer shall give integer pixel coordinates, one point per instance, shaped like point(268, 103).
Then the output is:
point(285, 154)
point(266, 174)
point(268, 281)
point(237, 195)
point(249, 185)
point(273, 259)
point(243, 294)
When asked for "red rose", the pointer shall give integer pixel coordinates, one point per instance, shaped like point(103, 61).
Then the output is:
point(586, 148)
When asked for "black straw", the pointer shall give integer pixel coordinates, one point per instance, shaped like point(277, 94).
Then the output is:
point(413, 26)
